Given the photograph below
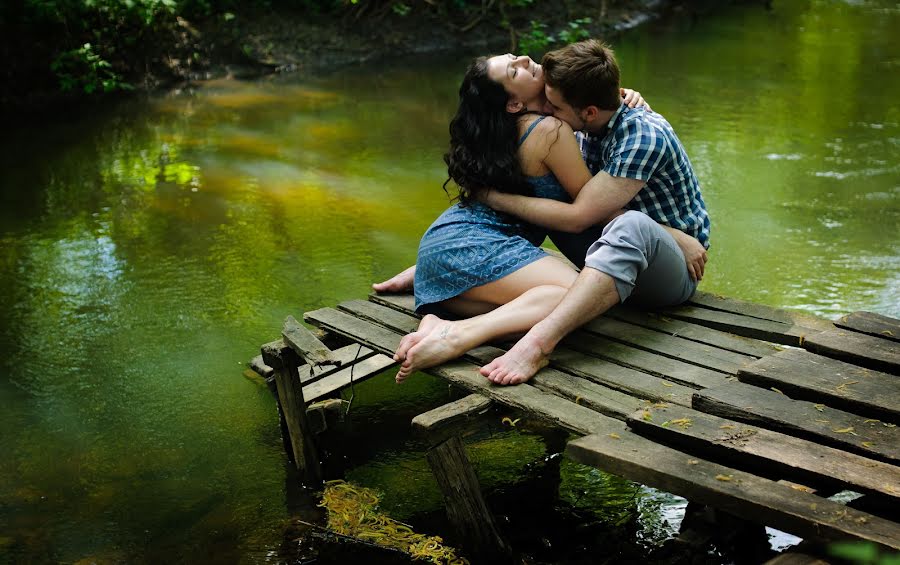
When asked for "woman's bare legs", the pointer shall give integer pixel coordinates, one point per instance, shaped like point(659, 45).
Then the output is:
point(520, 300)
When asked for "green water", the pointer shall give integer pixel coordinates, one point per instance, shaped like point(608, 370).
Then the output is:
point(148, 250)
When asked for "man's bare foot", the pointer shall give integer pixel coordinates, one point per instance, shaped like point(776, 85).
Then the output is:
point(401, 282)
point(518, 364)
point(441, 344)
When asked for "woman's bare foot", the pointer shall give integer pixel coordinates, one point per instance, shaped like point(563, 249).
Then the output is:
point(401, 282)
point(518, 364)
point(443, 343)
point(427, 324)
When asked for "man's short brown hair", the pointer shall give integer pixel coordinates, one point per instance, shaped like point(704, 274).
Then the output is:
point(585, 73)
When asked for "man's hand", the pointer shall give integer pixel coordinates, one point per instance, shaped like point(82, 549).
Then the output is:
point(494, 199)
point(694, 253)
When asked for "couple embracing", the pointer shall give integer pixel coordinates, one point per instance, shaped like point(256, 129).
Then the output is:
point(619, 199)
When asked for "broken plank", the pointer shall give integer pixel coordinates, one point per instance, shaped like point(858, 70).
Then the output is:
point(451, 413)
point(872, 324)
point(806, 376)
point(856, 348)
point(747, 326)
point(761, 311)
point(758, 449)
point(655, 364)
point(552, 408)
point(693, 332)
point(346, 376)
point(305, 344)
point(816, 422)
point(669, 345)
point(347, 355)
point(743, 494)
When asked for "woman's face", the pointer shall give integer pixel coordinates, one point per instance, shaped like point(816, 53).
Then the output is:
point(522, 78)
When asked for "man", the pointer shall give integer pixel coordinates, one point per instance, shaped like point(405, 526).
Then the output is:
point(641, 166)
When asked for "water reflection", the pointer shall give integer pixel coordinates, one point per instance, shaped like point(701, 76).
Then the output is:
point(146, 253)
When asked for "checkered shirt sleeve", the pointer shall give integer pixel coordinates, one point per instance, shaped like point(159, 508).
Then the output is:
point(640, 150)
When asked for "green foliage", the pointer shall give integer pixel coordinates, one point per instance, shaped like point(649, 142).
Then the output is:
point(84, 69)
point(400, 8)
point(537, 40)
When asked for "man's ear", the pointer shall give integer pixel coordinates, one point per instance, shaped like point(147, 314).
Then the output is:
point(514, 106)
point(590, 114)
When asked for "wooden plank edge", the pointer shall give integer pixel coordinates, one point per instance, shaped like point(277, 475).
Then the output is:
point(807, 515)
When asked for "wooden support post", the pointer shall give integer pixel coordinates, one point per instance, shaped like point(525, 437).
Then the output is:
point(466, 508)
point(285, 361)
point(456, 478)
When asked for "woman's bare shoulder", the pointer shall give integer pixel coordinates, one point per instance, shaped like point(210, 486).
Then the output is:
point(550, 129)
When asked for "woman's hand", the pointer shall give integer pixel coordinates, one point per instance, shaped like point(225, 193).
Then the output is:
point(633, 98)
point(694, 253)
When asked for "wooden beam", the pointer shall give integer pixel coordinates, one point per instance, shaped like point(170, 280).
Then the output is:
point(672, 346)
point(305, 344)
point(465, 506)
point(761, 450)
point(694, 332)
point(284, 361)
point(761, 500)
point(344, 377)
point(806, 376)
point(860, 349)
point(451, 413)
point(816, 422)
point(761, 311)
point(784, 333)
point(872, 324)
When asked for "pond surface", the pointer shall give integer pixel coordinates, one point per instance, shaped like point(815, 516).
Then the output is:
point(148, 251)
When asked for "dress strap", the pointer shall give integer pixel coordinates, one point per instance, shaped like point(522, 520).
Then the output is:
point(528, 131)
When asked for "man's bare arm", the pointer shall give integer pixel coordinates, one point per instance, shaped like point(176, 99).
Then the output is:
point(601, 197)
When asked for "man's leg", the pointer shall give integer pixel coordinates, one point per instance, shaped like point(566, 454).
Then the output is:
point(633, 249)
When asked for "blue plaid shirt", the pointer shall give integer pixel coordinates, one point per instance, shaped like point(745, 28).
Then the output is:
point(642, 145)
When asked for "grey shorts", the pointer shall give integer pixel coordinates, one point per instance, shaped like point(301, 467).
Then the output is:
point(644, 261)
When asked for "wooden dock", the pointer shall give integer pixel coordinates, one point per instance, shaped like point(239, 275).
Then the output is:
point(758, 412)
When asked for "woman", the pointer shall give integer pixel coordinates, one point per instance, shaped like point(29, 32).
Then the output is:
point(474, 261)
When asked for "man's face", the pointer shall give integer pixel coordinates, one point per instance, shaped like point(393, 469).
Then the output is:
point(561, 109)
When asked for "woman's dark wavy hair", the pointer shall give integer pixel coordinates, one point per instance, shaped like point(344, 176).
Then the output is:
point(483, 139)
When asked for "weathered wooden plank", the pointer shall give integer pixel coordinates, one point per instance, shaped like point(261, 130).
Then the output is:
point(856, 348)
point(816, 422)
point(761, 311)
point(751, 497)
point(757, 449)
point(284, 361)
point(341, 379)
point(668, 345)
point(465, 506)
point(347, 355)
point(402, 302)
point(260, 368)
point(305, 344)
point(630, 381)
point(672, 369)
point(806, 376)
point(451, 413)
point(872, 324)
point(694, 332)
point(601, 372)
point(551, 408)
point(747, 326)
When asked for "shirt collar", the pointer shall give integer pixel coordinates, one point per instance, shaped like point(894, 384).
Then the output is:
point(610, 125)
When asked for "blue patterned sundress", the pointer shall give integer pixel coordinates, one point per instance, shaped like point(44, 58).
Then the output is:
point(472, 245)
